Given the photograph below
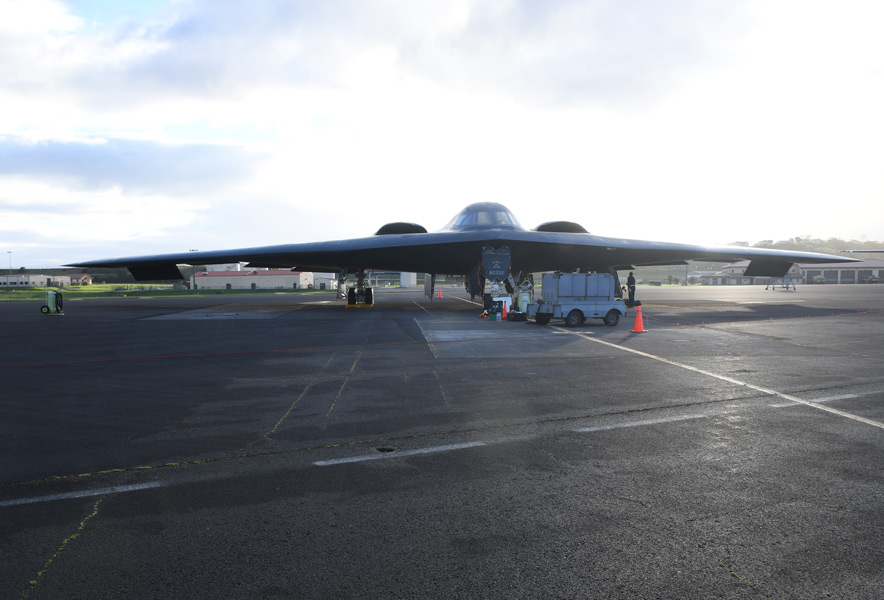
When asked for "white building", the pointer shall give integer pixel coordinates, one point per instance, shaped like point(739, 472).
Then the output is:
point(253, 280)
point(225, 267)
point(858, 272)
point(21, 281)
point(324, 281)
point(407, 280)
point(732, 274)
point(864, 271)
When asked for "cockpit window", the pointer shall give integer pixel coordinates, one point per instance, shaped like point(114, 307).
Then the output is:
point(483, 215)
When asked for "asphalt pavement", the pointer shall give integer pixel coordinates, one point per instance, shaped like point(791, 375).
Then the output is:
point(282, 446)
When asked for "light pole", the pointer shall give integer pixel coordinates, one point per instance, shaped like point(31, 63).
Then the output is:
point(9, 252)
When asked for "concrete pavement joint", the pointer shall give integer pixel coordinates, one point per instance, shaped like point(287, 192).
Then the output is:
point(640, 423)
point(771, 320)
point(425, 310)
point(388, 440)
point(826, 399)
point(441, 389)
point(86, 361)
point(472, 366)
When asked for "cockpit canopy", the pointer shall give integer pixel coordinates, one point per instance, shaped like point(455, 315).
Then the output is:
point(483, 215)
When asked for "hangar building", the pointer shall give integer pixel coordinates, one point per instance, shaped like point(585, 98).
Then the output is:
point(866, 271)
point(253, 280)
point(24, 280)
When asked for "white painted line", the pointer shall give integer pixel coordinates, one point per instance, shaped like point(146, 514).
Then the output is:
point(639, 423)
point(745, 384)
point(81, 494)
point(397, 453)
point(460, 335)
point(827, 399)
point(298, 307)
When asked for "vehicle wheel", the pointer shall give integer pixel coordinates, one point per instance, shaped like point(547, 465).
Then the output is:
point(612, 318)
point(44, 310)
point(541, 319)
point(574, 318)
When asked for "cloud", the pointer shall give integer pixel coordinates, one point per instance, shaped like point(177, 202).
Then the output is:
point(203, 49)
point(281, 120)
point(116, 190)
point(575, 52)
point(136, 166)
point(565, 51)
point(44, 211)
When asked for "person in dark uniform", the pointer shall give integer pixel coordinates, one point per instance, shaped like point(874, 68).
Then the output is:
point(630, 285)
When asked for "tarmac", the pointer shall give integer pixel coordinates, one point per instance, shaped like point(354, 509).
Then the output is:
point(283, 446)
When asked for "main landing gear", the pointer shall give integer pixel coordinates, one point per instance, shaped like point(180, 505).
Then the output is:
point(360, 295)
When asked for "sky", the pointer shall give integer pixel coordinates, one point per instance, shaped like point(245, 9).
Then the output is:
point(134, 127)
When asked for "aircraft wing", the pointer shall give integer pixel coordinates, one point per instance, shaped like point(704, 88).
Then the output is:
point(459, 251)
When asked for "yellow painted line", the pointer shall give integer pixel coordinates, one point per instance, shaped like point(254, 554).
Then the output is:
point(198, 462)
point(291, 408)
point(341, 389)
point(33, 583)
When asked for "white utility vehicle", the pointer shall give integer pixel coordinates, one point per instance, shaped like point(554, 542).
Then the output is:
point(576, 297)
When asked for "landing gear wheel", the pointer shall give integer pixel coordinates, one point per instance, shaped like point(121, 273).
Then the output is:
point(369, 296)
point(575, 318)
point(351, 296)
point(612, 318)
point(541, 319)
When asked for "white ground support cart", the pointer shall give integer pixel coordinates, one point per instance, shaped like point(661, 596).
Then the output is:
point(54, 303)
point(576, 297)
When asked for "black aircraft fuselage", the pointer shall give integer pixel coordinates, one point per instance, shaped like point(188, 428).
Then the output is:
point(457, 249)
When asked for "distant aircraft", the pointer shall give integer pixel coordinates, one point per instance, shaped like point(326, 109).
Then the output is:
point(483, 242)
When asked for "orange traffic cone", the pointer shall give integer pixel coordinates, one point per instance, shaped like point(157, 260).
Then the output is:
point(503, 314)
point(440, 292)
point(639, 321)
